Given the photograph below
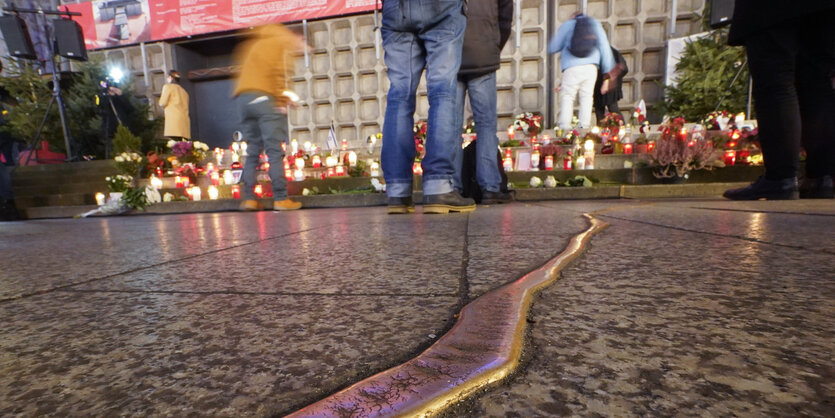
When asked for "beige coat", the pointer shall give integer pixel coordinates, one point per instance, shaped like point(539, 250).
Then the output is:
point(174, 100)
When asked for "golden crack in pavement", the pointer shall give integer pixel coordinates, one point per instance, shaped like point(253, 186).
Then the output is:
point(483, 347)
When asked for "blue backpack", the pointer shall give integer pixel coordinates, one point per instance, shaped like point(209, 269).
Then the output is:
point(583, 40)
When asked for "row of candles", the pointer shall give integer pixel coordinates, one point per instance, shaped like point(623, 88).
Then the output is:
point(582, 162)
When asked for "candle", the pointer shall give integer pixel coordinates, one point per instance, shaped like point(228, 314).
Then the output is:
point(243, 147)
point(299, 163)
point(417, 169)
point(730, 157)
point(507, 164)
point(215, 178)
point(340, 170)
point(294, 146)
point(589, 145)
point(352, 158)
point(259, 191)
point(549, 162)
point(627, 148)
point(510, 132)
point(535, 160)
point(213, 193)
point(331, 172)
point(178, 182)
point(344, 144)
point(743, 155)
point(235, 157)
point(581, 163)
point(236, 192)
point(288, 174)
point(375, 169)
point(236, 146)
point(595, 130)
point(219, 156)
point(267, 166)
point(317, 161)
point(227, 177)
point(298, 175)
point(194, 191)
point(307, 146)
point(210, 167)
point(100, 199)
point(159, 171)
point(546, 139)
point(566, 163)
point(650, 146)
point(331, 161)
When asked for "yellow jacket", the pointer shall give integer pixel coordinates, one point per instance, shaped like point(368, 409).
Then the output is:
point(267, 61)
point(174, 100)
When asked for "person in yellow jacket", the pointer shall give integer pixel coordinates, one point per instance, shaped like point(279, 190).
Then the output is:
point(266, 61)
point(174, 100)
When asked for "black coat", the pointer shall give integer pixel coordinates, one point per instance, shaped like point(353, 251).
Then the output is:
point(488, 29)
point(752, 16)
point(615, 92)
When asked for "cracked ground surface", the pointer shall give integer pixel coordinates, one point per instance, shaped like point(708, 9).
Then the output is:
point(700, 307)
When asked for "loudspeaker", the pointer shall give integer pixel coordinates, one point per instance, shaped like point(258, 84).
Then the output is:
point(70, 39)
point(721, 12)
point(17, 37)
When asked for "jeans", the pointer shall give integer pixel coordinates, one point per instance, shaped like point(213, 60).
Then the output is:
point(578, 79)
point(263, 128)
point(482, 91)
point(422, 34)
point(793, 66)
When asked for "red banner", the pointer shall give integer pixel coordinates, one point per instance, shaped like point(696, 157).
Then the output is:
point(124, 22)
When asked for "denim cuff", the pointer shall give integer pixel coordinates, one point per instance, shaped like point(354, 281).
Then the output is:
point(398, 188)
point(437, 185)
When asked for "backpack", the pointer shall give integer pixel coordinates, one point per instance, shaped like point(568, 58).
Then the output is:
point(583, 40)
point(469, 183)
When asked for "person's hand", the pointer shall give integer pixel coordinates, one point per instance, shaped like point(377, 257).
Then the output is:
point(558, 88)
point(604, 88)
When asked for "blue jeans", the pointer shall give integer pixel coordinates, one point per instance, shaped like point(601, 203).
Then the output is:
point(263, 128)
point(482, 90)
point(423, 34)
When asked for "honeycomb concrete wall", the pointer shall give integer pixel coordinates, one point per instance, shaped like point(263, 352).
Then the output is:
point(344, 79)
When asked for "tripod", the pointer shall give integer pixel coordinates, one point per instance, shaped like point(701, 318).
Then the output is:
point(106, 96)
point(56, 98)
point(736, 77)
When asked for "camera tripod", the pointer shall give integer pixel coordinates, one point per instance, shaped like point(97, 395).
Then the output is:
point(56, 98)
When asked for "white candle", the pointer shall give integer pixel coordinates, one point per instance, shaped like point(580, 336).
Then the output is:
point(307, 146)
point(352, 158)
point(298, 175)
point(581, 163)
point(299, 163)
point(156, 182)
point(213, 193)
point(195, 193)
point(100, 199)
point(227, 177)
point(294, 146)
point(243, 147)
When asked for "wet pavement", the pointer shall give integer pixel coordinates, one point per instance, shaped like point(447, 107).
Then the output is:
point(693, 307)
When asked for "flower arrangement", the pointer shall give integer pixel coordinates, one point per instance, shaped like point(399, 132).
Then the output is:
point(673, 128)
point(637, 118)
point(420, 130)
point(529, 123)
point(128, 163)
point(469, 128)
point(716, 120)
point(119, 183)
point(674, 158)
point(187, 151)
point(571, 137)
point(611, 121)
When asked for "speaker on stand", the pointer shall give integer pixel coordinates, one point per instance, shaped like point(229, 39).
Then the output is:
point(17, 37)
point(69, 39)
point(721, 12)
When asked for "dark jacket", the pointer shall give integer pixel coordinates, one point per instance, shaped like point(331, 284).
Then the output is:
point(615, 92)
point(488, 29)
point(752, 16)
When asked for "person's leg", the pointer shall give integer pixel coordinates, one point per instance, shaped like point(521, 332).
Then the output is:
point(772, 58)
point(483, 102)
point(273, 126)
point(458, 159)
point(405, 59)
point(587, 77)
point(443, 38)
point(599, 111)
point(816, 95)
point(252, 135)
point(614, 107)
point(568, 91)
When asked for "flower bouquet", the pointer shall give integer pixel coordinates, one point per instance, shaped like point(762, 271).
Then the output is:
point(717, 120)
point(193, 152)
point(420, 129)
point(611, 121)
point(529, 123)
point(128, 163)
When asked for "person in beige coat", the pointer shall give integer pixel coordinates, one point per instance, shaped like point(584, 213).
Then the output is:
point(174, 100)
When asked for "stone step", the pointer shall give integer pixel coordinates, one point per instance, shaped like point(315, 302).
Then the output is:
point(66, 199)
point(58, 188)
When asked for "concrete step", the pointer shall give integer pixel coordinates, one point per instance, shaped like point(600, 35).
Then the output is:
point(52, 189)
point(29, 181)
point(67, 199)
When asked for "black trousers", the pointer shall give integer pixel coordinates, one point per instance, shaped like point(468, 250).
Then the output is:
point(793, 65)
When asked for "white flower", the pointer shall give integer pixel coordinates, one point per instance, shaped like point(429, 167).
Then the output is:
point(550, 182)
point(305, 192)
point(167, 197)
point(536, 182)
point(135, 156)
point(119, 158)
point(379, 187)
point(107, 178)
point(171, 143)
point(152, 195)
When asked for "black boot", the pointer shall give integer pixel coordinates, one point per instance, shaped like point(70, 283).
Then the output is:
point(492, 198)
point(763, 188)
point(819, 188)
point(398, 205)
point(447, 202)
